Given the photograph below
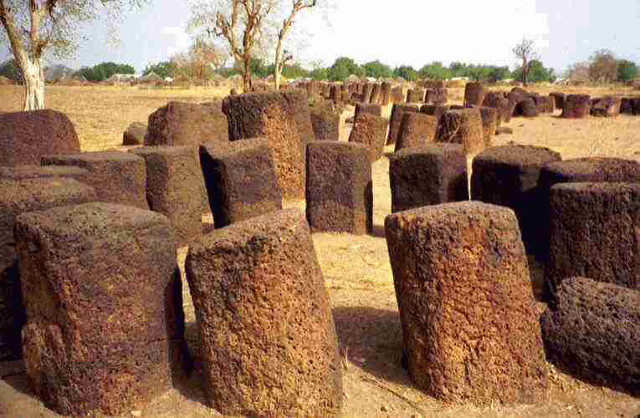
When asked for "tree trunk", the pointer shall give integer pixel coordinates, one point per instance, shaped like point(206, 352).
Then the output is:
point(525, 72)
point(278, 65)
point(33, 76)
point(246, 75)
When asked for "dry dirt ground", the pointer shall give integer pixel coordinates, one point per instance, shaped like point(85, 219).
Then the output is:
point(356, 270)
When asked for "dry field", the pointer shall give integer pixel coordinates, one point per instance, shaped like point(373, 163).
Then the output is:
point(356, 269)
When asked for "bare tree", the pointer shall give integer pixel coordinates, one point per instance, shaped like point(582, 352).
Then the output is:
point(282, 57)
point(239, 22)
point(603, 66)
point(35, 27)
point(526, 52)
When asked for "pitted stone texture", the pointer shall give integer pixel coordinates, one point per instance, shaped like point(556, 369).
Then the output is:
point(118, 177)
point(134, 135)
point(592, 330)
point(469, 321)
point(489, 124)
point(558, 98)
point(416, 130)
point(175, 188)
point(180, 123)
point(576, 106)
point(104, 306)
point(526, 107)
point(325, 121)
point(474, 93)
point(416, 95)
point(397, 112)
point(24, 172)
point(241, 180)
point(464, 127)
point(284, 120)
point(606, 107)
point(594, 231)
point(260, 300)
point(339, 188)
point(590, 170)
point(371, 131)
point(508, 176)
point(370, 109)
point(25, 137)
point(434, 110)
point(431, 175)
point(437, 96)
point(16, 197)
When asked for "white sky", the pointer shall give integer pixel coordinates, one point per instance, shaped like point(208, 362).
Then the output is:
point(413, 32)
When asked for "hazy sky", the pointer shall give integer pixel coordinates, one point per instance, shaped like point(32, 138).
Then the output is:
point(412, 32)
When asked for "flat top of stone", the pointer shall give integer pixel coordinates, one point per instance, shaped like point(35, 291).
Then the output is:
point(216, 148)
point(241, 233)
point(434, 149)
point(338, 145)
point(95, 156)
point(586, 286)
point(405, 106)
point(598, 188)
point(168, 150)
point(591, 167)
point(441, 215)
point(519, 155)
point(37, 171)
point(12, 192)
point(91, 219)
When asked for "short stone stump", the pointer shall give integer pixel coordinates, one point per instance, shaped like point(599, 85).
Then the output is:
point(425, 176)
point(576, 106)
point(325, 121)
point(105, 325)
point(370, 109)
point(118, 177)
point(264, 320)
point(474, 93)
point(339, 188)
point(464, 127)
point(469, 322)
point(371, 131)
point(416, 130)
point(397, 112)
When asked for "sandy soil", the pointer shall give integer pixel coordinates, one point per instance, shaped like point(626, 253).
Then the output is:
point(357, 274)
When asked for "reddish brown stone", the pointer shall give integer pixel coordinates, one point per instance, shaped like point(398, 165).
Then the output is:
point(335, 94)
point(118, 177)
point(607, 107)
point(462, 127)
point(376, 94)
point(416, 95)
point(260, 300)
point(175, 188)
point(592, 330)
point(241, 180)
point(367, 89)
point(386, 93)
point(397, 112)
point(431, 175)
point(474, 94)
point(134, 135)
point(437, 97)
point(370, 109)
point(25, 137)
point(558, 98)
point(397, 96)
point(576, 106)
point(325, 121)
point(630, 105)
point(24, 172)
point(339, 190)
point(284, 120)
point(434, 110)
point(489, 124)
point(104, 306)
point(371, 131)
point(591, 170)
point(526, 107)
point(16, 197)
point(180, 123)
point(416, 130)
point(594, 233)
point(469, 321)
point(508, 176)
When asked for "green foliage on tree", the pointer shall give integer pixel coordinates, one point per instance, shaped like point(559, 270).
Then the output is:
point(164, 69)
point(105, 70)
point(434, 71)
point(10, 69)
point(407, 72)
point(342, 68)
point(319, 74)
point(537, 73)
point(377, 70)
point(627, 70)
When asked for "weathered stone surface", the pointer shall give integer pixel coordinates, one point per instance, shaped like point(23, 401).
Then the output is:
point(16, 197)
point(397, 95)
point(27, 136)
point(474, 94)
point(590, 170)
point(607, 107)
point(434, 110)
point(24, 172)
point(339, 189)
point(462, 127)
point(592, 330)
point(241, 180)
point(175, 188)
point(594, 231)
point(370, 109)
point(260, 300)
point(508, 176)
point(376, 94)
point(134, 135)
point(437, 96)
point(284, 120)
point(397, 112)
point(503, 130)
point(180, 123)
point(385, 93)
point(118, 177)
point(558, 98)
point(526, 107)
point(576, 106)
point(416, 95)
point(416, 130)
point(325, 121)
point(431, 175)
point(104, 306)
point(489, 124)
point(469, 321)
point(371, 131)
